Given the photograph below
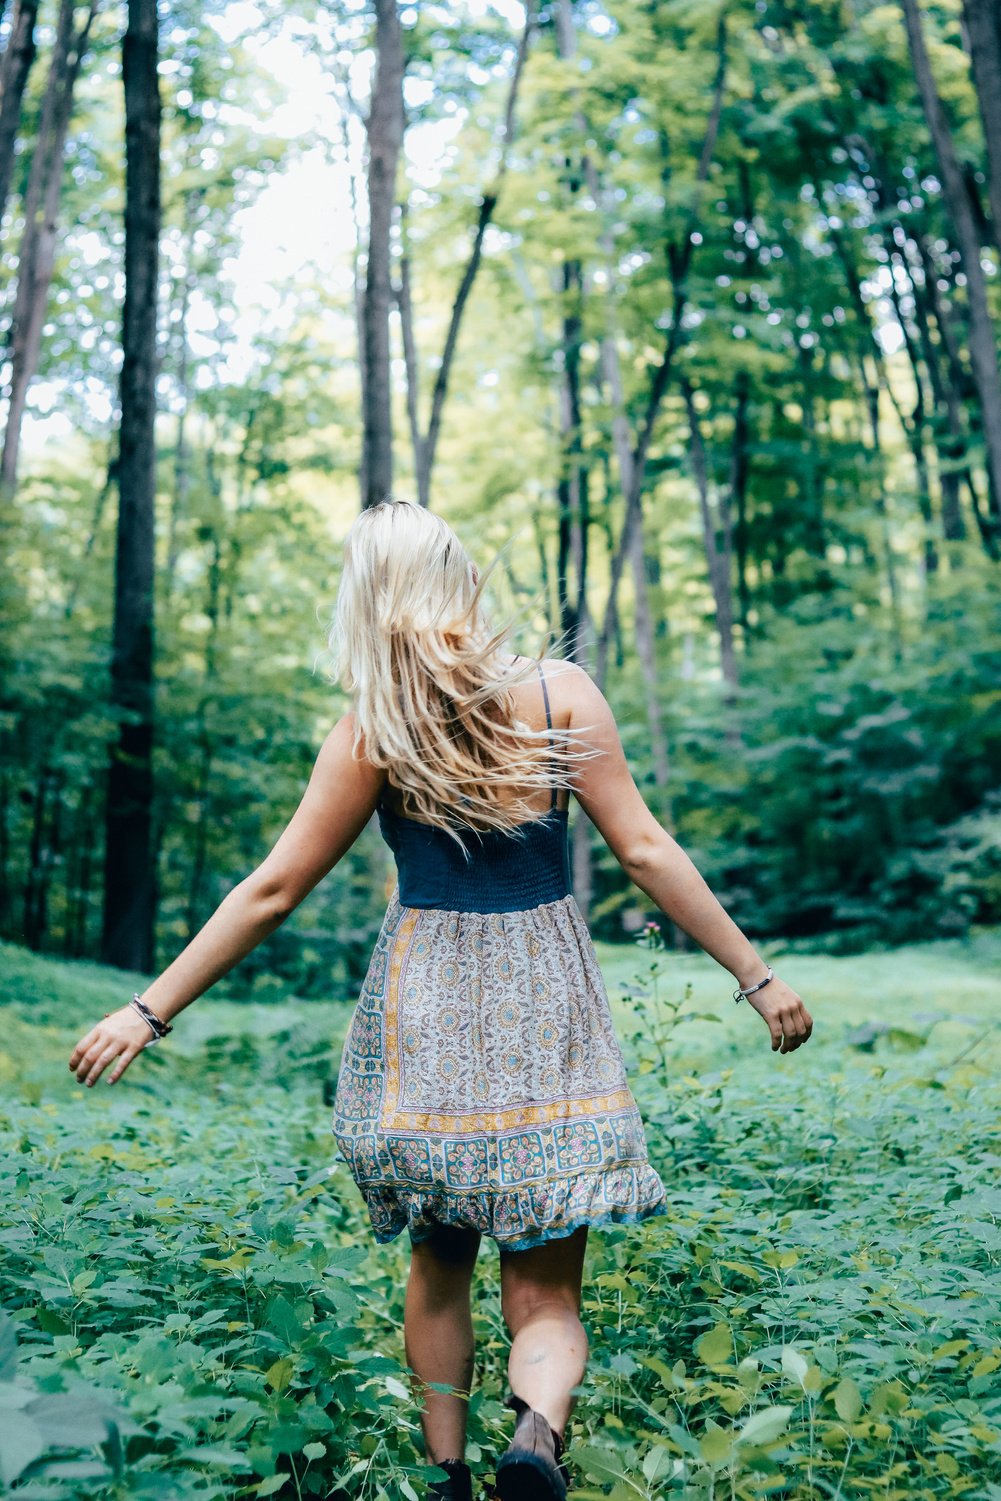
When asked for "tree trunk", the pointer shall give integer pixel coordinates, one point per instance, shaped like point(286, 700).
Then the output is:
point(426, 447)
point(404, 302)
point(983, 351)
point(571, 486)
point(718, 540)
point(129, 885)
point(38, 241)
point(180, 499)
point(14, 70)
point(740, 473)
point(950, 445)
point(385, 139)
point(679, 257)
point(204, 743)
point(983, 28)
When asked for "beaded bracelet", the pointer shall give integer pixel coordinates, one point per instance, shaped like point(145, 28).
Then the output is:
point(739, 995)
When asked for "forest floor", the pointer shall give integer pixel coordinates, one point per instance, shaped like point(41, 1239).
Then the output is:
point(194, 1308)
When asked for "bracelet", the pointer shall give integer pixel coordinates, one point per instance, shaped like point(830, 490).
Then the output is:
point(739, 995)
point(157, 1027)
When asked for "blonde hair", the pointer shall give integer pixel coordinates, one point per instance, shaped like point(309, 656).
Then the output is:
point(412, 646)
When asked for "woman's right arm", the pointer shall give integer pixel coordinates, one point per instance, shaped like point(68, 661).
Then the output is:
point(657, 864)
point(336, 805)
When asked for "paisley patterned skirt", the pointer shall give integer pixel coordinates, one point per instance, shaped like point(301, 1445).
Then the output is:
point(481, 1081)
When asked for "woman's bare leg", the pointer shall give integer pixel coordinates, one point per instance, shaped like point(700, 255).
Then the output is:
point(540, 1301)
point(438, 1334)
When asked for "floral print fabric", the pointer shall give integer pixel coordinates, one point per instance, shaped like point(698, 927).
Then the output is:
point(481, 1082)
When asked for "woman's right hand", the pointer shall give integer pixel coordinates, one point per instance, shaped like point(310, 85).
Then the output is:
point(121, 1035)
point(787, 1019)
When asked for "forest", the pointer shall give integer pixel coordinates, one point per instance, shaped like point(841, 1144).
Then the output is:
point(684, 314)
point(687, 311)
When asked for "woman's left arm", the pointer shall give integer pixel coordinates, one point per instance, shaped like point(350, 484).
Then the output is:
point(337, 804)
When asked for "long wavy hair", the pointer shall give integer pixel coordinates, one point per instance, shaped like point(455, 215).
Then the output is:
point(411, 644)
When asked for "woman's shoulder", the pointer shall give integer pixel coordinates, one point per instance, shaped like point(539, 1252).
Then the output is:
point(574, 682)
point(562, 669)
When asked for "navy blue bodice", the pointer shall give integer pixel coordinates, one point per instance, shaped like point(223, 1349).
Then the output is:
point(501, 871)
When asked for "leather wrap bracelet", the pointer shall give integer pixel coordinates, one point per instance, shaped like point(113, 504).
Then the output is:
point(157, 1027)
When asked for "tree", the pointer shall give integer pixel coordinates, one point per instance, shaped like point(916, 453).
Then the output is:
point(37, 256)
point(14, 70)
point(385, 138)
point(983, 348)
point(983, 26)
point(129, 896)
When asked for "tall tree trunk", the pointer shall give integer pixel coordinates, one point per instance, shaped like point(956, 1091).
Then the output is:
point(38, 241)
point(680, 258)
point(950, 445)
point(29, 932)
point(717, 536)
point(571, 485)
point(79, 873)
point(425, 445)
point(573, 523)
point(740, 473)
point(129, 880)
point(983, 28)
point(180, 499)
point(385, 139)
point(983, 350)
point(346, 110)
point(204, 742)
point(14, 70)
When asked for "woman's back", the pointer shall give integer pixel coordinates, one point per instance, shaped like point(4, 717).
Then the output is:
point(481, 1081)
point(494, 870)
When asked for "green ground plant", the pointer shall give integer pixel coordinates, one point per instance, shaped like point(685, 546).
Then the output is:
point(194, 1308)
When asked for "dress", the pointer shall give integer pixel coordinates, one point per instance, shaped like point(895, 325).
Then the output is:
point(481, 1082)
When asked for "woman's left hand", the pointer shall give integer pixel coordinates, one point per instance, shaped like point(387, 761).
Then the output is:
point(121, 1035)
point(783, 1012)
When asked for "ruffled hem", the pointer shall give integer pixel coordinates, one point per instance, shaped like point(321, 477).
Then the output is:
point(519, 1218)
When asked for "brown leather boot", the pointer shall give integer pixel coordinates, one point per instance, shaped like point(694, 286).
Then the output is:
point(458, 1486)
point(530, 1469)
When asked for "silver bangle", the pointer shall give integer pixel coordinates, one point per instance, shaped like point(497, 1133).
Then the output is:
point(739, 995)
point(156, 1036)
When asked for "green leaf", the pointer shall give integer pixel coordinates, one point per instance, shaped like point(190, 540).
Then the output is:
point(794, 1364)
point(20, 1444)
point(8, 1348)
point(660, 1368)
point(764, 1426)
point(716, 1346)
point(279, 1375)
point(716, 1445)
point(272, 1484)
point(847, 1400)
point(658, 1463)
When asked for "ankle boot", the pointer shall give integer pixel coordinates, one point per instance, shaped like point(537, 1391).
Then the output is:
point(458, 1486)
point(530, 1469)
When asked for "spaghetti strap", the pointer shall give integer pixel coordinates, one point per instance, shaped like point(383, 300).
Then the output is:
point(549, 724)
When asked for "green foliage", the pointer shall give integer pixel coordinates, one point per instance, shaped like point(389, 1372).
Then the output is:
point(858, 801)
point(194, 1306)
point(843, 790)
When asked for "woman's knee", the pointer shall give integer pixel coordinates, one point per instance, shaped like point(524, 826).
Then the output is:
point(521, 1305)
point(543, 1281)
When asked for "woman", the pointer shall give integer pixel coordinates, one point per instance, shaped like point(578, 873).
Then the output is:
point(481, 1087)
